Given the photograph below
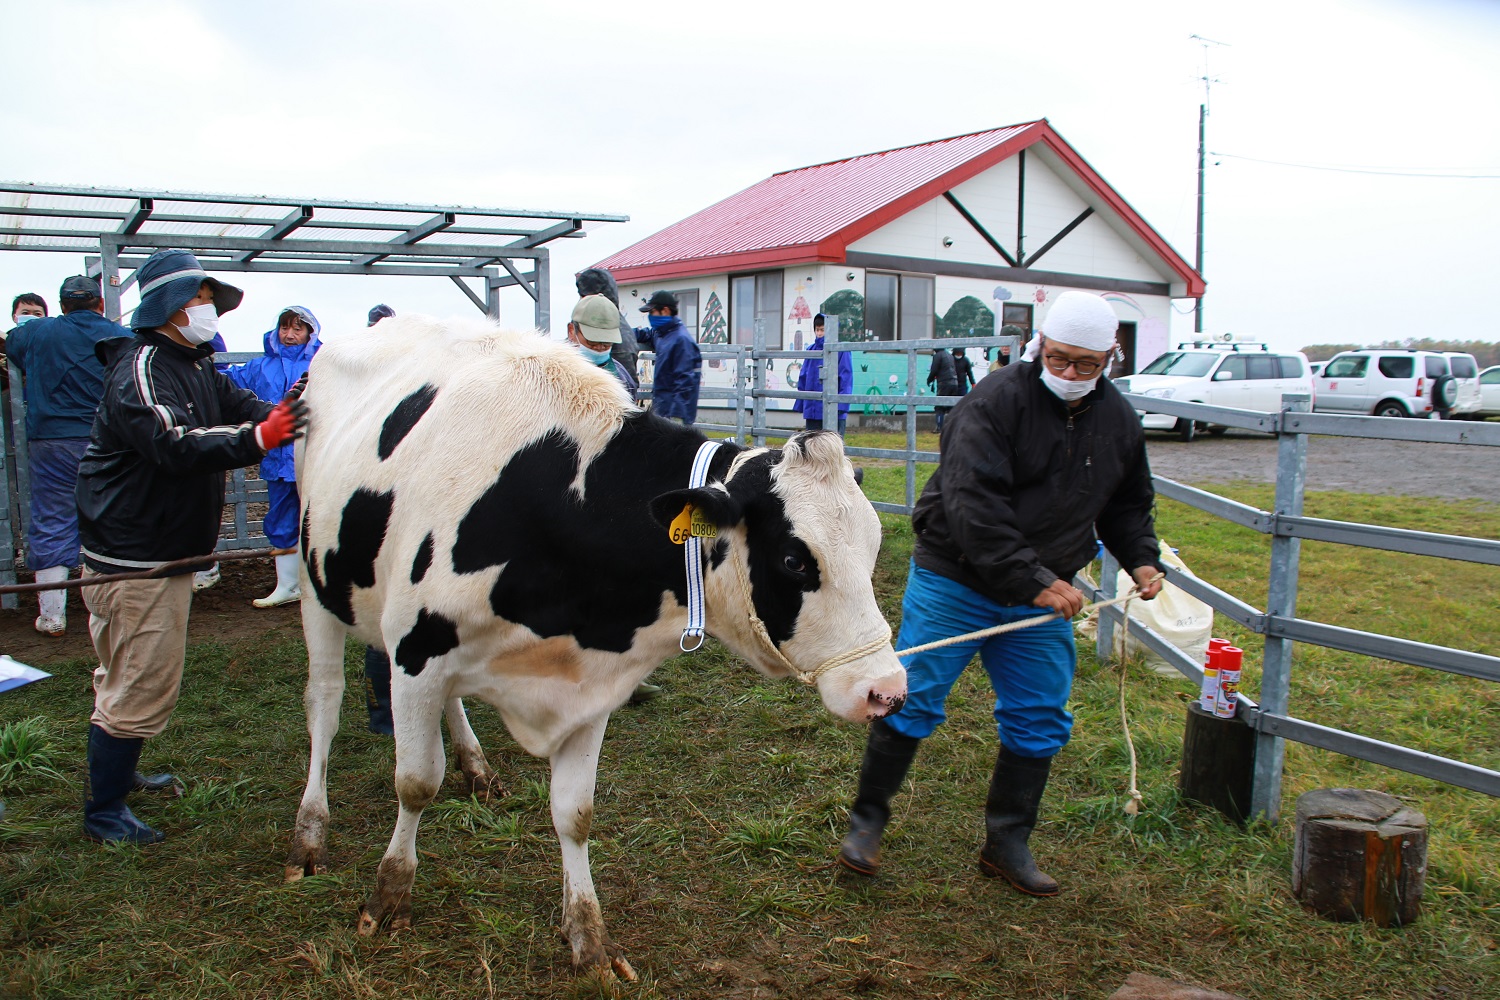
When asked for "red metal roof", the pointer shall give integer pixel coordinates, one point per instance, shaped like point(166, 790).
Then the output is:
point(814, 213)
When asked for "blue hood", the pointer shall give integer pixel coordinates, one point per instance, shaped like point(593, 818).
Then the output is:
point(300, 352)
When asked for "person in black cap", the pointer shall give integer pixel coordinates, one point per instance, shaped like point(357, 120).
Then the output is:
point(379, 313)
point(598, 281)
point(151, 491)
point(679, 375)
point(64, 381)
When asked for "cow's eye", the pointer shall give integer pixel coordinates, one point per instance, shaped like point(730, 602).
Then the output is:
point(794, 564)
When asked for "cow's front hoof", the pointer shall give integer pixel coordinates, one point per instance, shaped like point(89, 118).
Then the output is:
point(378, 914)
point(305, 859)
point(606, 962)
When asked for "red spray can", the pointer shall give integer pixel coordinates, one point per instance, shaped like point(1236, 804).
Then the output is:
point(1209, 693)
point(1227, 702)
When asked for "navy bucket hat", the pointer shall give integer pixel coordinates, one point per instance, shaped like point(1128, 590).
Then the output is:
point(170, 280)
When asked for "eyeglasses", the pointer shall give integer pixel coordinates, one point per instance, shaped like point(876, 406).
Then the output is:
point(1059, 364)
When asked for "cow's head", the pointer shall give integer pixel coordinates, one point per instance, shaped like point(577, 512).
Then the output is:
point(796, 533)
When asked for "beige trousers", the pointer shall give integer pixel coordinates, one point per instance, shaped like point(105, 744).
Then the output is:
point(139, 629)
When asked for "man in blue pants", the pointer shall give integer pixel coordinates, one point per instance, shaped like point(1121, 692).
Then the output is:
point(64, 382)
point(1039, 458)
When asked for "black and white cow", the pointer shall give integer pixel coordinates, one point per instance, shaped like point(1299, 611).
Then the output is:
point(494, 511)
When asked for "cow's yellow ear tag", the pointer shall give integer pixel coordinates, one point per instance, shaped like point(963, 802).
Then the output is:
point(701, 526)
point(681, 528)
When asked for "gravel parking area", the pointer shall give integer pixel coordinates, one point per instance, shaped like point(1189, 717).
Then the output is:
point(1359, 465)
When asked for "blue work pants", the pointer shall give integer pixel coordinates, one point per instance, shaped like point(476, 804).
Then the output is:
point(53, 540)
point(281, 520)
point(1031, 669)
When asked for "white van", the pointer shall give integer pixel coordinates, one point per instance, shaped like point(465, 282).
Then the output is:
point(1242, 374)
point(1400, 383)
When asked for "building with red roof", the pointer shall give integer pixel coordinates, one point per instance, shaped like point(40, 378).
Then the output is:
point(956, 237)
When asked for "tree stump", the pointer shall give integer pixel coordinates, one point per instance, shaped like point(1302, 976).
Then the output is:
point(1218, 762)
point(1360, 855)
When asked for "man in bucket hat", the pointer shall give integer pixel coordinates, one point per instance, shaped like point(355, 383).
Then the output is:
point(1039, 458)
point(150, 491)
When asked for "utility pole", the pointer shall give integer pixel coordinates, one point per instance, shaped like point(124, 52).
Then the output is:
point(1202, 153)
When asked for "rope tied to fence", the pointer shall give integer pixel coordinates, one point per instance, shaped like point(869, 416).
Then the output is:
point(1133, 806)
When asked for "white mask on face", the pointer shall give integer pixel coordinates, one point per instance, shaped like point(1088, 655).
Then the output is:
point(1064, 390)
point(203, 323)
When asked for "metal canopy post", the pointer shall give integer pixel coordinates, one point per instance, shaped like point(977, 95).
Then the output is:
point(109, 277)
point(543, 292)
point(1276, 666)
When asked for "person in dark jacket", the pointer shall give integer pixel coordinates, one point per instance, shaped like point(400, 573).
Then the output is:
point(289, 349)
point(810, 379)
point(944, 374)
point(1037, 458)
point(598, 281)
point(151, 491)
point(64, 380)
point(964, 368)
point(679, 375)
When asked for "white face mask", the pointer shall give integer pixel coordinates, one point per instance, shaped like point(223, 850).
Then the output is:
point(1064, 390)
point(203, 323)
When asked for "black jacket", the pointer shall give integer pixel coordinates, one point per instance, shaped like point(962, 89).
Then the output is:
point(944, 373)
point(1024, 484)
point(965, 371)
point(151, 485)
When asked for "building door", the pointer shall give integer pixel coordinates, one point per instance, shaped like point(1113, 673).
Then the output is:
point(1124, 363)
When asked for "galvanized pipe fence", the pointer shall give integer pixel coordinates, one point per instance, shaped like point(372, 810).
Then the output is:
point(1278, 622)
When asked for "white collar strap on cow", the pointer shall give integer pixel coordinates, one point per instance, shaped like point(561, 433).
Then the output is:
point(692, 555)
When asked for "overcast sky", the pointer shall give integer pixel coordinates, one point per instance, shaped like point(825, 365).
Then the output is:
point(657, 109)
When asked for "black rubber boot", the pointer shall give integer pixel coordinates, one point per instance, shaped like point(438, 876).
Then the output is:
point(888, 755)
point(106, 818)
point(1009, 816)
point(162, 784)
point(378, 691)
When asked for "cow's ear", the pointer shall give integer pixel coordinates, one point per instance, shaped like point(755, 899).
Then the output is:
point(720, 508)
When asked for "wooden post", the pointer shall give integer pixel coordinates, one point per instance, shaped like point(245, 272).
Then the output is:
point(1218, 762)
point(1360, 855)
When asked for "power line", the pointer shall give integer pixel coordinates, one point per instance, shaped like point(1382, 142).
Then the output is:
point(1376, 171)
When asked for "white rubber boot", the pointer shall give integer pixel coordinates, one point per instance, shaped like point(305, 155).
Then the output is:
point(205, 578)
point(53, 620)
point(287, 587)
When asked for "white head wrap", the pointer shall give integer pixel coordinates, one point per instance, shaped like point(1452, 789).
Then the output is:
point(1078, 319)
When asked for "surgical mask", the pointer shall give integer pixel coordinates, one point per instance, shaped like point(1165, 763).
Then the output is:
point(203, 323)
point(23, 320)
point(660, 321)
point(1068, 392)
point(600, 358)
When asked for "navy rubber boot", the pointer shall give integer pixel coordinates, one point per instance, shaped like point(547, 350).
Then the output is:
point(106, 817)
point(378, 691)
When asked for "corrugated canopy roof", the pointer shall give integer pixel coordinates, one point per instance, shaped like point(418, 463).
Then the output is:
point(814, 213)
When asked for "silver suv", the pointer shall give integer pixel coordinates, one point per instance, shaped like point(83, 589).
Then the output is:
point(1398, 383)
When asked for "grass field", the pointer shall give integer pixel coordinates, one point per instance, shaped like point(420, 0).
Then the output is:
point(719, 807)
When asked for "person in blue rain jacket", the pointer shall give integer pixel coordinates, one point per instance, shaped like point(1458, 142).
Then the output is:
point(289, 350)
point(811, 380)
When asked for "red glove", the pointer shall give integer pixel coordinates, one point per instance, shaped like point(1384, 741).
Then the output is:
point(285, 421)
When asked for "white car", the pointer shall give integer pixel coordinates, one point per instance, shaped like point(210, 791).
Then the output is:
point(1399, 383)
point(1489, 392)
point(1245, 376)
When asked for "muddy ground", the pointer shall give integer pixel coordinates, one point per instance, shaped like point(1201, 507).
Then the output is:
point(1398, 468)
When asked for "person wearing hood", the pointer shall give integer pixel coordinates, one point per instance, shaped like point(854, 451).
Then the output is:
point(1036, 460)
point(598, 281)
point(64, 380)
point(289, 349)
point(810, 379)
point(679, 375)
point(151, 491)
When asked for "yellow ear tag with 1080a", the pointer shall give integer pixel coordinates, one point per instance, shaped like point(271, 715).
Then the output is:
point(691, 523)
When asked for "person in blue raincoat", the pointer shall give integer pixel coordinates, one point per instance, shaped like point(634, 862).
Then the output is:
point(811, 380)
point(289, 350)
point(678, 375)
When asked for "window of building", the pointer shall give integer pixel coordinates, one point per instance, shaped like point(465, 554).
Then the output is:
point(898, 306)
point(1012, 314)
point(755, 301)
point(687, 309)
